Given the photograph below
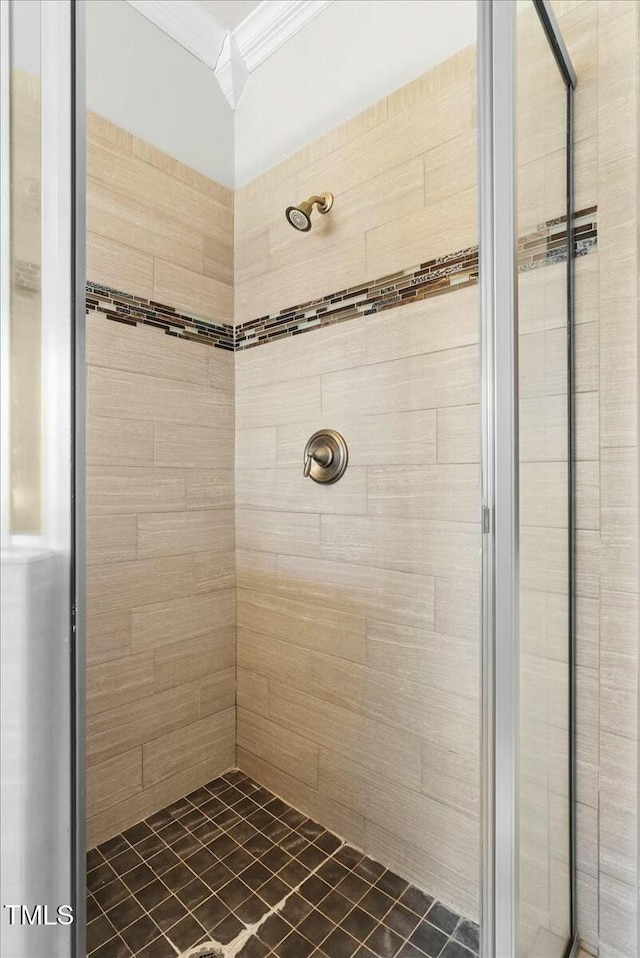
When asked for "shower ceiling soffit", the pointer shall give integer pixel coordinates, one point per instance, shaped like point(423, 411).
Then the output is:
point(231, 54)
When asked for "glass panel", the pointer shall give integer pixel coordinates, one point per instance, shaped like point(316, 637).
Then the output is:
point(543, 923)
point(36, 807)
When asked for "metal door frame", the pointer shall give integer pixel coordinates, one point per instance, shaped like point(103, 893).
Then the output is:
point(497, 176)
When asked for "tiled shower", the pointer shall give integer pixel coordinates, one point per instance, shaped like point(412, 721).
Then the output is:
point(283, 678)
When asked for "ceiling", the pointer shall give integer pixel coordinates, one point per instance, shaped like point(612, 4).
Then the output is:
point(229, 12)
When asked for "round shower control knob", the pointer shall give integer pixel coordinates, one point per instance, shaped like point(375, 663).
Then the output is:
point(325, 456)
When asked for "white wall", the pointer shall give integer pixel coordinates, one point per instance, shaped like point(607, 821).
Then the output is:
point(145, 82)
point(351, 55)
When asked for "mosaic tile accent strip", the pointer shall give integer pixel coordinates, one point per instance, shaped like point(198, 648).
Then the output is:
point(134, 311)
point(545, 245)
point(234, 866)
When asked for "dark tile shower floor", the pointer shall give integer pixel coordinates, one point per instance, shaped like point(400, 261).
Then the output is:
point(231, 856)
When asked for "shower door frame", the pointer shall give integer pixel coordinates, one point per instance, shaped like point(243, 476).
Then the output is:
point(497, 198)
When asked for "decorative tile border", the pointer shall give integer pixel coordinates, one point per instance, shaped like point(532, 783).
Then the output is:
point(134, 311)
point(544, 246)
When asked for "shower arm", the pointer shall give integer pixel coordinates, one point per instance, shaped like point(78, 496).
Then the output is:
point(321, 202)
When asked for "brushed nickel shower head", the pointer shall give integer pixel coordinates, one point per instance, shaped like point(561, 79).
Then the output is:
point(300, 216)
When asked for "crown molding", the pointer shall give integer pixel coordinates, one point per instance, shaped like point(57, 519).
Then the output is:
point(271, 24)
point(189, 24)
point(232, 55)
point(231, 71)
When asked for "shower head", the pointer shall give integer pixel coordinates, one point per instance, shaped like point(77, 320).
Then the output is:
point(300, 216)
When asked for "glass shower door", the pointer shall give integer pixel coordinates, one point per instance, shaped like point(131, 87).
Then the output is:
point(41, 778)
point(525, 102)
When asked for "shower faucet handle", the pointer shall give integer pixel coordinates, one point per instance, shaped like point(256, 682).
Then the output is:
point(319, 453)
point(325, 456)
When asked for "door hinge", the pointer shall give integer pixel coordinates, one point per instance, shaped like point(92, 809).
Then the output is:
point(486, 519)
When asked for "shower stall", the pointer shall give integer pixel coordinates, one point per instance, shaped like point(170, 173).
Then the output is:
point(321, 700)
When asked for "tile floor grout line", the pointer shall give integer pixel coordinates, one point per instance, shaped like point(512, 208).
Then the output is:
point(229, 804)
point(234, 946)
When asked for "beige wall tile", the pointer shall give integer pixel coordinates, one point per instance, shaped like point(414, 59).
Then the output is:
point(109, 215)
point(114, 264)
point(448, 378)
point(114, 781)
point(219, 260)
point(287, 533)
point(218, 693)
point(158, 191)
point(114, 820)
point(98, 128)
point(252, 254)
point(108, 636)
point(119, 682)
point(111, 538)
point(438, 492)
point(392, 195)
point(221, 368)
point(283, 748)
point(393, 753)
point(129, 725)
point(256, 446)
point(211, 488)
point(457, 607)
point(440, 228)
point(354, 686)
point(117, 490)
point(618, 929)
point(333, 268)
point(124, 395)
point(179, 533)
point(255, 570)
point(343, 821)
point(162, 161)
point(544, 497)
point(271, 488)
point(451, 777)
point(434, 660)
point(119, 442)
point(301, 624)
point(618, 471)
point(192, 292)
point(544, 624)
point(156, 456)
point(387, 439)
point(193, 447)
point(618, 807)
point(301, 357)
point(458, 433)
point(363, 590)
point(543, 559)
point(427, 326)
point(190, 659)
point(542, 300)
point(258, 406)
point(420, 546)
point(252, 692)
point(171, 753)
point(444, 833)
point(450, 77)
point(460, 891)
point(214, 571)
point(406, 134)
point(162, 623)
